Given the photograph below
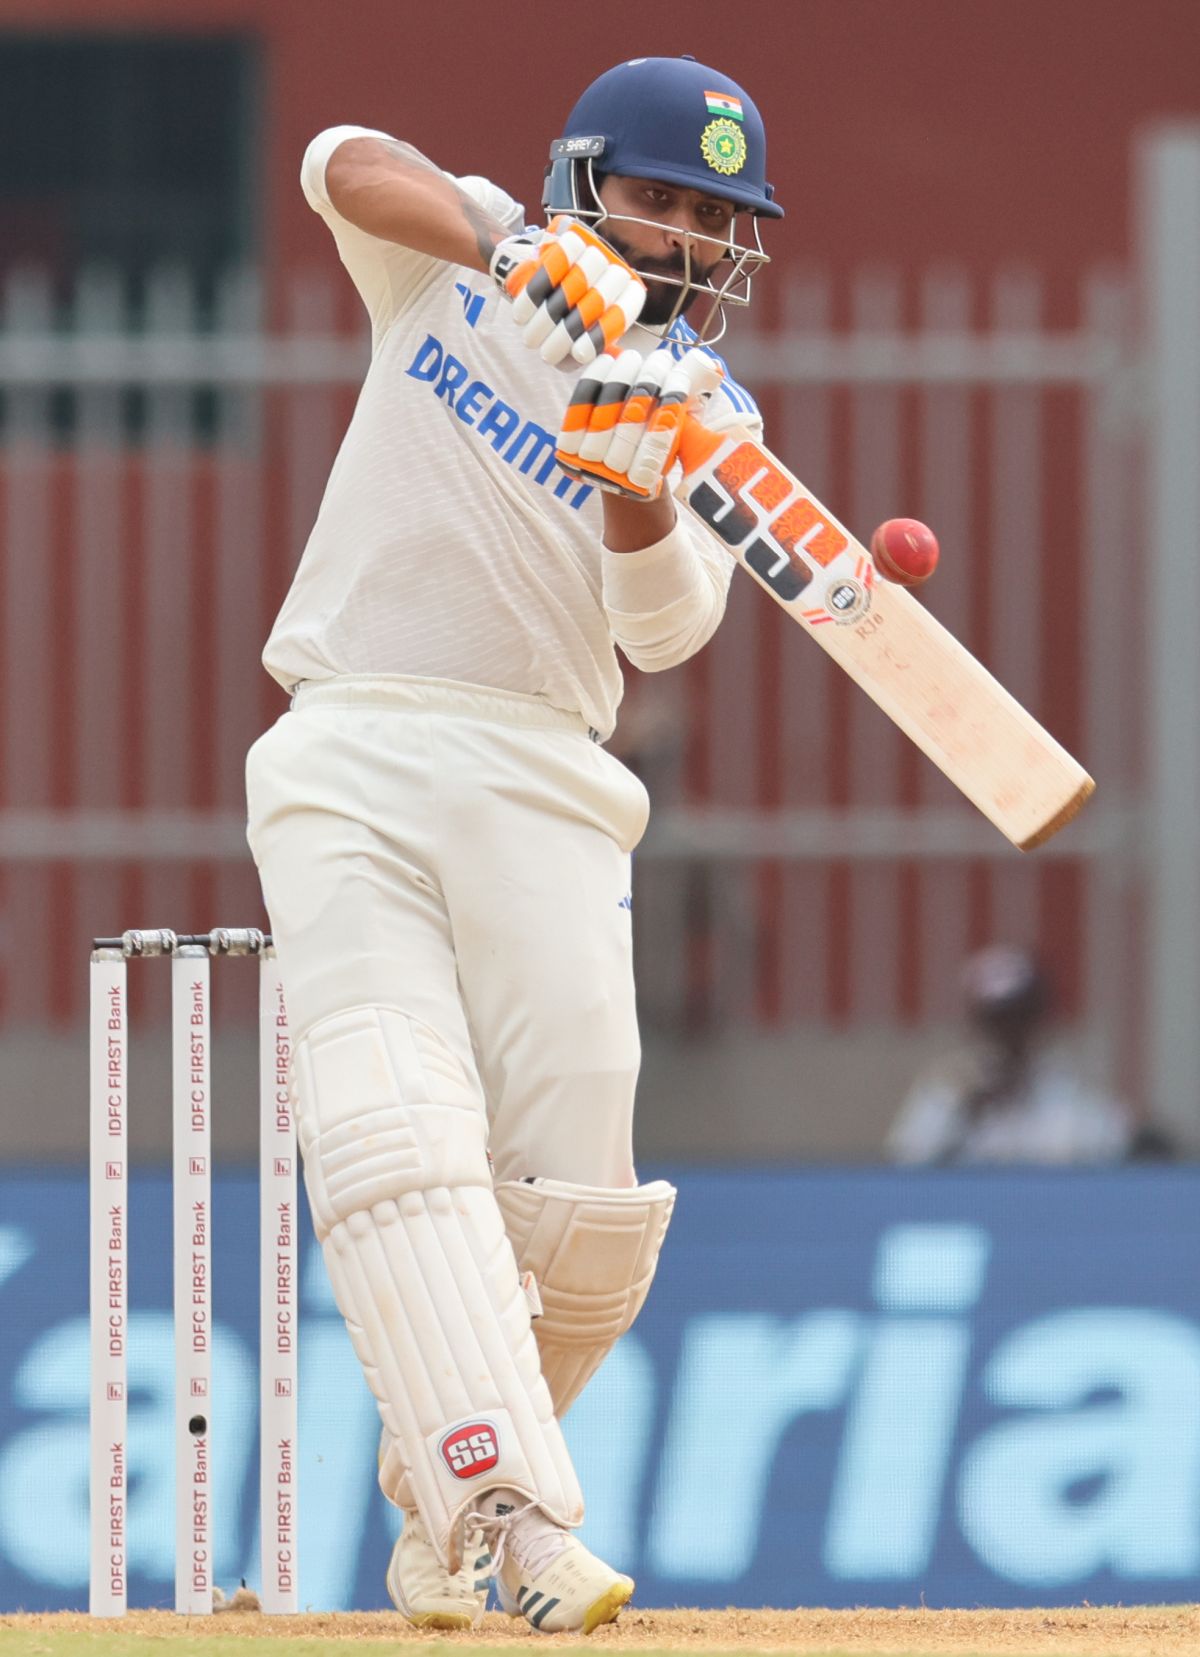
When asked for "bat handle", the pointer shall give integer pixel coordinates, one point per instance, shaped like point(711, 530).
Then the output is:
point(697, 445)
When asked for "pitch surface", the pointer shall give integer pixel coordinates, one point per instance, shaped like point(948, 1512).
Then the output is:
point(1085, 1631)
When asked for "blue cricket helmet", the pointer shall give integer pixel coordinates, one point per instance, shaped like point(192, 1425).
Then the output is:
point(670, 119)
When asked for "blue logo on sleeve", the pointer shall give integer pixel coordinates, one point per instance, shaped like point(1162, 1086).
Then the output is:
point(473, 303)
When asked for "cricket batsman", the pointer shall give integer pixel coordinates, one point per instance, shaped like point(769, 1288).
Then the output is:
point(444, 842)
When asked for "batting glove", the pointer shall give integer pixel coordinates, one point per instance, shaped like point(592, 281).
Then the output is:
point(572, 295)
point(624, 422)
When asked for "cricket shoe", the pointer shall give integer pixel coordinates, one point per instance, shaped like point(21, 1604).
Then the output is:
point(424, 1592)
point(546, 1575)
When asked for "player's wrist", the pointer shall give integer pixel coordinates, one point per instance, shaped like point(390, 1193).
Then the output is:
point(637, 526)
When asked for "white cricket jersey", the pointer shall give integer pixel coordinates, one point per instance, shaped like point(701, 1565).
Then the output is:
point(448, 544)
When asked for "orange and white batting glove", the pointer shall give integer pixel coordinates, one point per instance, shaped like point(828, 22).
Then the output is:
point(572, 295)
point(626, 417)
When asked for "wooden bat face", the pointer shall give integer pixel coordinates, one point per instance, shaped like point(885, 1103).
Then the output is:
point(889, 644)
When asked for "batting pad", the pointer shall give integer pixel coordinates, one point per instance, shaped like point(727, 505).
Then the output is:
point(393, 1136)
point(592, 1253)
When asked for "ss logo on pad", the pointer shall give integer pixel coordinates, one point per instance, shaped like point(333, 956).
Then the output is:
point(470, 1448)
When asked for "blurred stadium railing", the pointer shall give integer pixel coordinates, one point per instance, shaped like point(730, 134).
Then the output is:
point(161, 467)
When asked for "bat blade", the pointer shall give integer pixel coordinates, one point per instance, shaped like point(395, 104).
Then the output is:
point(962, 718)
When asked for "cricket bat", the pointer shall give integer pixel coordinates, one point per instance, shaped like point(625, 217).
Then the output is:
point(889, 644)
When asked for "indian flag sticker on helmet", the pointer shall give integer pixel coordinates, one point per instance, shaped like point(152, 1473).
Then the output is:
point(724, 103)
point(723, 146)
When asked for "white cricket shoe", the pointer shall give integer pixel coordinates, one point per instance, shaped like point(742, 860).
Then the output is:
point(422, 1589)
point(504, 1600)
point(546, 1575)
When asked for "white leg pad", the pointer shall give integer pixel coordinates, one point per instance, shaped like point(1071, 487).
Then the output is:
point(592, 1253)
point(393, 1138)
point(393, 1472)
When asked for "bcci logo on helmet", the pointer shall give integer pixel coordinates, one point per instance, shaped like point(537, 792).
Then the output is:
point(470, 1448)
point(723, 146)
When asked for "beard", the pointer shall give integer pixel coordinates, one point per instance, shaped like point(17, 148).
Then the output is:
point(664, 303)
point(664, 300)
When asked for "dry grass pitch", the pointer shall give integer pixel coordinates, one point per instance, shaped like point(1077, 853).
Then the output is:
point(1086, 1631)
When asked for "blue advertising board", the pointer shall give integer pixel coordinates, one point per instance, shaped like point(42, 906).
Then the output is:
point(847, 1388)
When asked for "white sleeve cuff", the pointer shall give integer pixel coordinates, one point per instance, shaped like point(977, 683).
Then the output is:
point(639, 583)
point(665, 601)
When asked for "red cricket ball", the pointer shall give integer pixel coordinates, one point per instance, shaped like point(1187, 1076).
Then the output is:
point(905, 551)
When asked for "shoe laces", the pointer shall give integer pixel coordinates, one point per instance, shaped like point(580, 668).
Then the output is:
point(534, 1544)
point(417, 1532)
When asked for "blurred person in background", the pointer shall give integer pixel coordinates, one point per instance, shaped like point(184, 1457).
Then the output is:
point(1009, 1095)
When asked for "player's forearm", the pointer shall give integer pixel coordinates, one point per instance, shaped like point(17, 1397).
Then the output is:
point(395, 193)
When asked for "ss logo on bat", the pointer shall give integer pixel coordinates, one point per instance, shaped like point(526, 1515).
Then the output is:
point(792, 542)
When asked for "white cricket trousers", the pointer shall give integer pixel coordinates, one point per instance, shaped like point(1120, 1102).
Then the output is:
point(463, 855)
